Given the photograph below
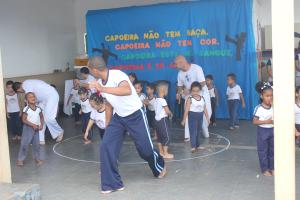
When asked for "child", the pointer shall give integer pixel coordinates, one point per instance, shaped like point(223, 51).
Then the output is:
point(214, 97)
point(150, 103)
point(97, 116)
point(33, 121)
point(297, 116)
point(86, 79)
point(13, 111)
point(234, 97)
point(194, 109)
point(139, 90)
point(85, 111)
point(162, 112)
point(74, 96)
point(132, 78)
point(263, 117)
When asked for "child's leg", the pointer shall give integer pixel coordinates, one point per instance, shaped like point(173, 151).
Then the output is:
point(236, 112)
point(10, 125)
point(262, 149)
point(213, 108)
point(230, 111)
point(102, 131)
point(28, 133)
point(199, 128)
point(166, 139)
point(18, 124)
point(160, 149)
point(193, 125)
point(36, 149)
point(271, 149)
point(76, 112)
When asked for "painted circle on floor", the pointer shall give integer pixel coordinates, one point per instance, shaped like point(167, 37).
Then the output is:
point(73, 149)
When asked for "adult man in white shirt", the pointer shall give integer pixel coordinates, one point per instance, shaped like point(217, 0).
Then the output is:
point(121, 96)
point(189, 73)
point(48, 99)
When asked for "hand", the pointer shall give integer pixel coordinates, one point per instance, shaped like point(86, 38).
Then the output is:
point(35, 127)
point(146, 102)
point(182, 123)
point(270, 121)
point(95, 85)
point(7, 115)
point(20, 114)
point(41, 127)
point(80, 112)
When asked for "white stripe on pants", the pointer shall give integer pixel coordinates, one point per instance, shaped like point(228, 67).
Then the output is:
point(50, 111)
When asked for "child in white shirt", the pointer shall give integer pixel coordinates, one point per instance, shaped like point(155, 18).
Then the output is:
point(263, 118)
point(75, 100)
point(85, 112)
point(234, 98)
point(33, 121)
point(97, 117)
point(162, 112)
point(13, 111)
point(195, 110)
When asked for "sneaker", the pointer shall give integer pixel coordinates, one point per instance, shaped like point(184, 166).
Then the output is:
point(231, 128)
point(186, 139)
point(237, 126)
point(110, 191)
point(214, 124)
point(42, 142)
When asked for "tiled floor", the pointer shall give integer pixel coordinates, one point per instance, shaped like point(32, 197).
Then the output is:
point(214, 174)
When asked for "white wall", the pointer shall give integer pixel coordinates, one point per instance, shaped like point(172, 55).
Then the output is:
point(82, 6)
point(37, 36)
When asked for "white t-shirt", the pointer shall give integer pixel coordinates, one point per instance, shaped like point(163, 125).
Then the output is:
point(160, 112)
point(263, 113)
point(297, 114)
point(142, 97)
point(185, 79)
point(151, 105)
point(234, 92)
point(42, 90)
point(195, 73)
point(33, 116)
point(85, 106)
point(197, 105)
point(123, 105)
point(212, 92)
point(75, 96)
point(99, 118)
point(12, 103)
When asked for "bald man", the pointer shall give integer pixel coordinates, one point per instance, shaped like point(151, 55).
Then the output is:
point(129, 115)
point(189, 73)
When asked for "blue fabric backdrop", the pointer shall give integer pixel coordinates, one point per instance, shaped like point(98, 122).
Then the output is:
point(146, 40)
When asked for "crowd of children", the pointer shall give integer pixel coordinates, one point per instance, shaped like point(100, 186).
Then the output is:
point(89, 106)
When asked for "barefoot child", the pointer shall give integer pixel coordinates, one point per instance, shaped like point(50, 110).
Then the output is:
point(13, 111)
point(263, 118)
point(97, 117)
point(33, 121)
point(75, 99)
point(194, 109)
point(234, 98)
point(85, 111)
point(162, 112)
point(150, 103)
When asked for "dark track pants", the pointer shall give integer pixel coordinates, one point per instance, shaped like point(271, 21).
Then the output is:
point(265, 148)
point(136, 124)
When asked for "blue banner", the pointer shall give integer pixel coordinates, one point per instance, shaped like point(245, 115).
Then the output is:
point(215, 34)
